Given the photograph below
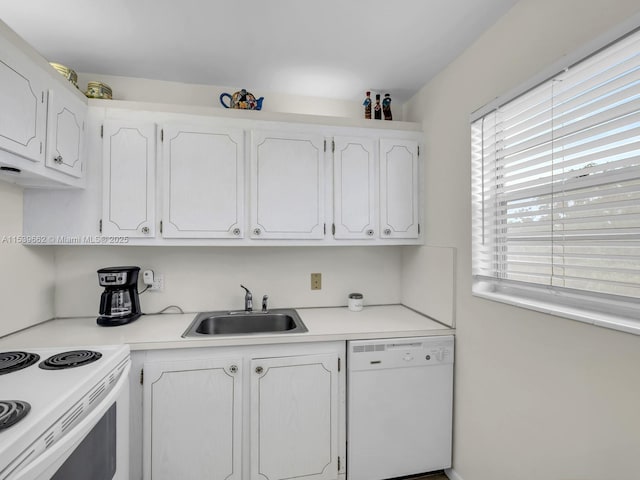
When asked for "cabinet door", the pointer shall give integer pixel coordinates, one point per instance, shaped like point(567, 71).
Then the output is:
point(203, 182)
point(399, 204)
point(23, 106)
point(354, 188)
point(129, 152)
point(65, 131)
point(287, 186)
point(294, 418)
point(192, 419)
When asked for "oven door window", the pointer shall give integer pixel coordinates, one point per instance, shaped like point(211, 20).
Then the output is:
point(95, 457)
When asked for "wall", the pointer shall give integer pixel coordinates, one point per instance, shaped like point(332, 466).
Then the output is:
point(159, 91)
point(536, 396)
point(209, 278)
point(27, 280)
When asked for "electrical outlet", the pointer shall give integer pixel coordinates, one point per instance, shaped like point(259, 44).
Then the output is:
point(316, 281)
point(158, 283)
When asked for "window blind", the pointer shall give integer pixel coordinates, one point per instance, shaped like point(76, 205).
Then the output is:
point(556, 182)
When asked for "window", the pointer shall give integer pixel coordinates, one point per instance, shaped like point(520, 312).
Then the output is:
point(556, 192)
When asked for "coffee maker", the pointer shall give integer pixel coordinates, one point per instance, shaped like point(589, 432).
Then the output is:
point(119, 303)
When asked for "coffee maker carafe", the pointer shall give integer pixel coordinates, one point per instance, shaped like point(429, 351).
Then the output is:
point(119, 303)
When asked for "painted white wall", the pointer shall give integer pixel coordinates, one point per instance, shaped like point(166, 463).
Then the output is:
point(209, 278)
point(160, 91)
point(536, 396)
point(27, 279)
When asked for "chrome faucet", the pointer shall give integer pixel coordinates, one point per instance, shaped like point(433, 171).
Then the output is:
point(248, 300)
point(264, 304)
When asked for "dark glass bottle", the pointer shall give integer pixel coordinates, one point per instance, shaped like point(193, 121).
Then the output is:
point(367, 105)
point(377, 109)
point(386, 107)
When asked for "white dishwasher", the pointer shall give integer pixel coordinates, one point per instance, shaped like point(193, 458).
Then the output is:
point(399, 406)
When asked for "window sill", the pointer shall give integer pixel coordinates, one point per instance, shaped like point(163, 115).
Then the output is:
point(620, 323)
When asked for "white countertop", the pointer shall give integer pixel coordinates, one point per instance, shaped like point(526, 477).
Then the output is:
point(152, 332)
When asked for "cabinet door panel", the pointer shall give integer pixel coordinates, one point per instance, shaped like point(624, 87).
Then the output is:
point(65, 133)
point(294, 418)
point(129, 178)
point(287, 186)
point(355, 199)
point(192, 420)
point(399, 205)
point(203, 178)
point(22, 103)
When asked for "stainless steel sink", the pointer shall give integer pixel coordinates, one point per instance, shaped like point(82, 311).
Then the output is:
point(277, 321)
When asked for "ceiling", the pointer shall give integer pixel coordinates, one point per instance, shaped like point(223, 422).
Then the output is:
point(328, 48)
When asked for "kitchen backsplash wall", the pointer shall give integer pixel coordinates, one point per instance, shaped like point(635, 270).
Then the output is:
point(209, 278)
point(27, 280)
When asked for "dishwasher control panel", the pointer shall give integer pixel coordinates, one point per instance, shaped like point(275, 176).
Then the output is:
point(400, 352)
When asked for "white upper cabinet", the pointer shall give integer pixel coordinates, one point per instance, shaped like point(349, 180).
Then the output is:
point(129, 149)
point(23, 108)
point(399, 189)
point(203, 182)
point(355, 193)
point(65, 133)
point(287, 185)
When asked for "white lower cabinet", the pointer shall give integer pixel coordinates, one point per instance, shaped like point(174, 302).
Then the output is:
point(192, 408)
point(293, 417)
point(271, 413)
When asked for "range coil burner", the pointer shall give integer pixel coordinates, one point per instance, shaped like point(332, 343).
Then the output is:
point(14, 361)
point(75, 358)
point(12, 411)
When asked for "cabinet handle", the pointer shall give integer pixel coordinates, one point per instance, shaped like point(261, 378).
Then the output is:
point(370, 233)
point(145, 230)
point(257, 231)
point(259, 370)
point(387, 231)
point(236, 232)
point(57, 159)
point(233, 368)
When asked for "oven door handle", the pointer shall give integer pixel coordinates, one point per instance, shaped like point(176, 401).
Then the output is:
point(45, 465)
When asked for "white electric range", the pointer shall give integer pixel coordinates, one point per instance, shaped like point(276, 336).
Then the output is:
point(64, 413)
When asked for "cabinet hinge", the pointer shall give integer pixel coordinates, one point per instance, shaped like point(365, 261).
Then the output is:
point(333, 146)
point(162, 135)
point(141, 376)
point(333, 229)
point(418, 150)
point(418, 229)
point(160, 226)
point(325, 145)
point(339, 363)
point(339, 463)
point(100, 225)
point(324, 228)
point(101, 131)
